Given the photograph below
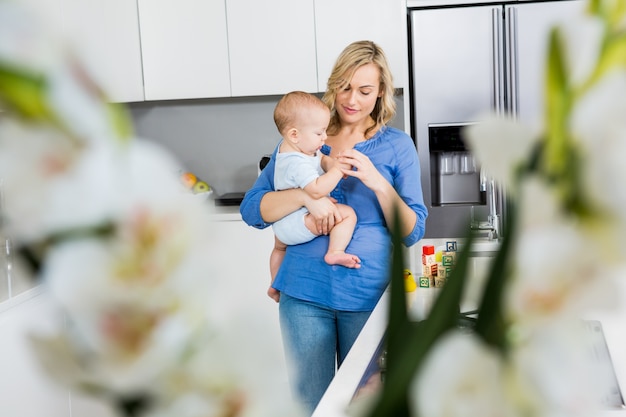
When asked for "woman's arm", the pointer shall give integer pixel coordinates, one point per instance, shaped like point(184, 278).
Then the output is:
point(277, 204)
point(390, 201)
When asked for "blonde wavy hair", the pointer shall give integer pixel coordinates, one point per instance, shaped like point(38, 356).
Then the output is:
point(352, 58)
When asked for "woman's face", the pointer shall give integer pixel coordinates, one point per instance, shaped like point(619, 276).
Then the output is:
point(355, 103)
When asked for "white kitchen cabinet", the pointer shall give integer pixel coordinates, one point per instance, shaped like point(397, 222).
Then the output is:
point(106, 33)
point(184, 48)
point(341, 22)
point(271, 46)
point(167, 50)
point(244, 254)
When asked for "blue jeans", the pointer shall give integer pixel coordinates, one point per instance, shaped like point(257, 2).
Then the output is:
point(316, 339)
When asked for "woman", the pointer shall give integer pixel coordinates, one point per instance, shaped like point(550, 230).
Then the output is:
point(322, 308)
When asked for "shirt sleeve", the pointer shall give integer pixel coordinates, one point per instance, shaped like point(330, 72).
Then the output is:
point(409, 186)
point(250, 207)
point(302, 170)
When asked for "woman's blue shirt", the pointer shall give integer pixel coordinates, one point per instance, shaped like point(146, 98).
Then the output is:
point(304, 274)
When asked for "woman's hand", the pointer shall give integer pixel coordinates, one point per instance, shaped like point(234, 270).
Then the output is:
point(325, 212)
point(362, 168)
point(389, 200)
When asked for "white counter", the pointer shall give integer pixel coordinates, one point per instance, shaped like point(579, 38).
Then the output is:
point(224, 213)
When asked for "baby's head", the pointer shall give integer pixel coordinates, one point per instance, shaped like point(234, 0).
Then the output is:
point(297, 109)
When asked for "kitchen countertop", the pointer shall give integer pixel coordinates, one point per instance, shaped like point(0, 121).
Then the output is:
point(224, 213)
point(349, 377)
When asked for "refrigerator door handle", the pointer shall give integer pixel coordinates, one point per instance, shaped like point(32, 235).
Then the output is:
point(498, 61)
point(511, 61)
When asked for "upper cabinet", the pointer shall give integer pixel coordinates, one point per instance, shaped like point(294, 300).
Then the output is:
point(184, 48)
point(106, 33)
point(341, 22)
point(271, 46)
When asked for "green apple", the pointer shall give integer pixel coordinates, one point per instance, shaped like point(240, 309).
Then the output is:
point(201, 187)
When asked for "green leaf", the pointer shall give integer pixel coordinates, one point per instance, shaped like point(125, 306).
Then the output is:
point(612, 57)
point(397, 297)
point(132, 405)
point(398, 320)
point(557, 110)
point(490, 325)
point(615, 13)
point(408, 343)
point(593, 7)
point(101, 230)
point(121, 121)
point(611, 11)
point(24, 93)
point(34, 253)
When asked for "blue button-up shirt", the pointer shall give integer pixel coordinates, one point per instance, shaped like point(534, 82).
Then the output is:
point(304, 274)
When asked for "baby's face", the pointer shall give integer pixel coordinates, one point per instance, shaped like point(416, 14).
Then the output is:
point(312, 132)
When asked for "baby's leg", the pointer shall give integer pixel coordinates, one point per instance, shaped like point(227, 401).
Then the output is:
point(276, 258)
point(340, 237)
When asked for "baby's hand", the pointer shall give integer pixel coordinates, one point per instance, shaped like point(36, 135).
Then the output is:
point(334, 163)
point(343, 166)
point(329, 163)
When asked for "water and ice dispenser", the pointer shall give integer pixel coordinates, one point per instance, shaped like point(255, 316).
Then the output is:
point(455, 175)
point(460, 191)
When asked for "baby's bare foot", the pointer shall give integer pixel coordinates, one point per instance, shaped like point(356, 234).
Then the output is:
point(343, 259)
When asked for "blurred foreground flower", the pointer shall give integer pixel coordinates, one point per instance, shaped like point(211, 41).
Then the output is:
point(527, 351)
point(146, 322)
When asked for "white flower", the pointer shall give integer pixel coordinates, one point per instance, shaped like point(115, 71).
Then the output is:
point(564, 249)
point(135, 294)
point(538, 205)
point(559, 267)
point(65, 95)
point(556, 366)
point(462, 377)
point(31, 159)
point(126, 251)
point(556, 274)
point(501, 145)
point(221, 372)
point(599, 127)
point(135, 298)
point(81, 186)
point(27, 40)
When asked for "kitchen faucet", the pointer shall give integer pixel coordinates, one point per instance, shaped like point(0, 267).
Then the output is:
point(493, 224)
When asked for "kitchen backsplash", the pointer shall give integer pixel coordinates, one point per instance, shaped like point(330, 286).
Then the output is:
point(220, 140)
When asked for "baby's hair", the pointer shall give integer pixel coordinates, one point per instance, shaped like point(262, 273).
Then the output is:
point(292, 106)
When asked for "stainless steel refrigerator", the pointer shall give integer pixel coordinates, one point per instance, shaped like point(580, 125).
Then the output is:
point(466, 61)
